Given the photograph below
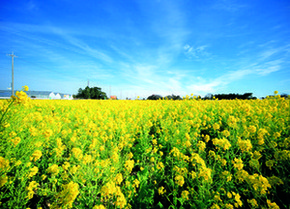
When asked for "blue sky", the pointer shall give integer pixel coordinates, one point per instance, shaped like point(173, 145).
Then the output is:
point(144, 47)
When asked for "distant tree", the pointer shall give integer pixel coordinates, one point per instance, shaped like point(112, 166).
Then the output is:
point(173, 97)
point(176, 97)
point(235, 96)
point(208, 96)
point(80, 93)
point(91, 93)
point(87, 93)
point(284, 95)
point(247, 96)
point(154, 97)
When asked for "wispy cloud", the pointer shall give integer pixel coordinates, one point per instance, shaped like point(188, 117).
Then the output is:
point(268, 70)
point(198, 52)
point(33, 33)
point(84, 47)
point(264, 63)
point(228, 5)
point(159, 47)
point(269, 53)
point(204, 86)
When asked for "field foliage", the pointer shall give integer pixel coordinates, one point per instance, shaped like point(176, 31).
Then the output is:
point(144, 154)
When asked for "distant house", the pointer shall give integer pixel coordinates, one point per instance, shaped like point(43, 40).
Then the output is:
point(37, 95)
point(57, 96)
point(51, 96)
point(67, 96)
point(113, 97)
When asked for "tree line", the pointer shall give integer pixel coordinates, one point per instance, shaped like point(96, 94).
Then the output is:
point(91, 93)
point(207, 97)
point(97, 93)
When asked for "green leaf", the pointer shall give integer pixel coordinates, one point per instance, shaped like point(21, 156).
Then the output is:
point(160, 204)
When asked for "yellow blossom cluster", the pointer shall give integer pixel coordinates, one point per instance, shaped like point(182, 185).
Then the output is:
point(67, 196)
point(128, 154)
point(31, 187)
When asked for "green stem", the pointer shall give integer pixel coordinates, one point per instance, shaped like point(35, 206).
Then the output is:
point(6, 111)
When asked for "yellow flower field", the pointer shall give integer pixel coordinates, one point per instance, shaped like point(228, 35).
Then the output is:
point(144, 154)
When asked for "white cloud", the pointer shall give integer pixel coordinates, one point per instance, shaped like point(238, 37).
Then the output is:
point(198, 52)
point(85, 47)
point(268, 70)
point(269, 53)
point(204, 86)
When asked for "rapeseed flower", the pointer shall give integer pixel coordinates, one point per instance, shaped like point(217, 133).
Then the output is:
point(215, 206)
point(160, 165)
point(16, 141)
point(33, 171)
point(119, 178)
point(77, 152)
point(226, 133)
point(244, 145)
point(272, 205)
point(4, 164)
point(21, 97)
point(121, 200)
point(65, 166)
point(179, 180)
point(3, 180)
point(238, 163)
point(259, 183)
point(227, 175)
point(252, 129)
point(87, 159)
point(216, 126)
point(25, 88)
point(53, 169)
point(136, 183)
point(238, 200)
point(48, 133)
point(184, 194)
point(161, 190)
point(129, 164)
point(68, 195)
point(205, 173)
point(30, 189)
point(187, 143)
point(223, 161)
point(229, 206)
point(99, 207)
point(253, 203)
point(201, 145)
point(223, 143)
point(193, 174)
point(36, 155)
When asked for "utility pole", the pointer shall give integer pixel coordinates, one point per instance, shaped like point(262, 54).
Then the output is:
point(88, 83)
point(12, 85)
